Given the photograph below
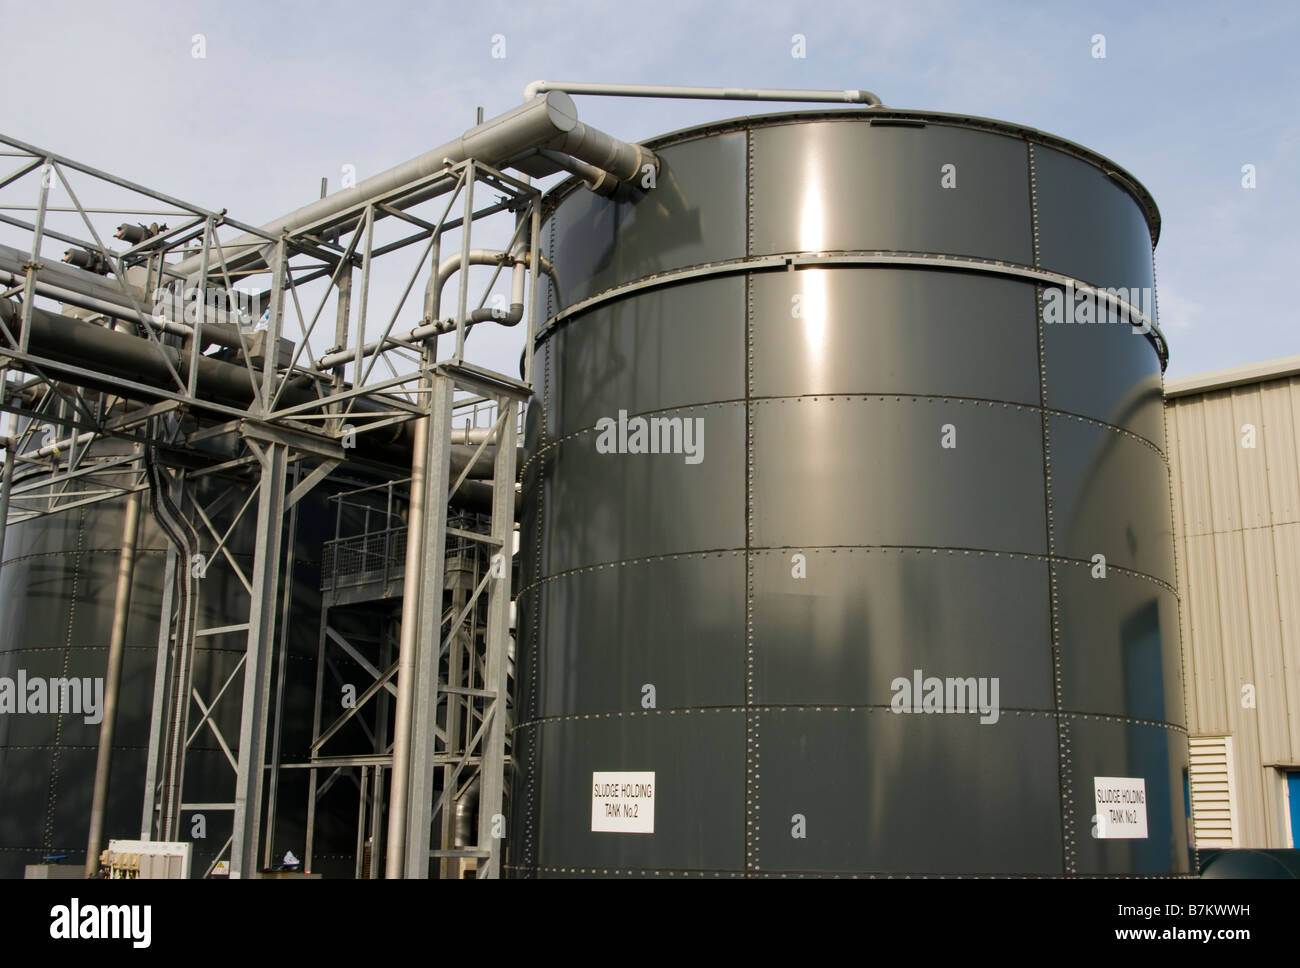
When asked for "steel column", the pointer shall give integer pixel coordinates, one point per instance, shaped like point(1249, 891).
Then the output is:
point(257, 667)
point(406, 657)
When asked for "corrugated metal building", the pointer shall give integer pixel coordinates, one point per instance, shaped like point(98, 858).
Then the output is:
point(1234, 452)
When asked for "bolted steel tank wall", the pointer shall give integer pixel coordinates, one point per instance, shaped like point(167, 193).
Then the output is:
point(906, 465)
point(56, 607)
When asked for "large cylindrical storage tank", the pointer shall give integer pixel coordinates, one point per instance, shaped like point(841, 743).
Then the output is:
point(56, 604)
point(896, 463)
point(57, 590)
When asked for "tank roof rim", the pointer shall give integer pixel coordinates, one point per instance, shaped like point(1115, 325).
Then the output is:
point(1123, 178)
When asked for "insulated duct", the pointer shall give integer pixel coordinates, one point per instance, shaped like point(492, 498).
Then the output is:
point(75, 342)
point(550, 121)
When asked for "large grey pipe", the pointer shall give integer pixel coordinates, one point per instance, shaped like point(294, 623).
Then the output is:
point(703, 93)
point(115, 354)
point(550, 121)
point(79, 343)
point(466, 814)
point(112, 681)
point(77, 287)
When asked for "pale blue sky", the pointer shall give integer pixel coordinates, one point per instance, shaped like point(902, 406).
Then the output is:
point(289, 92)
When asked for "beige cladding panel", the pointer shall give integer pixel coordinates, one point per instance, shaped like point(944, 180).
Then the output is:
point(1206, 694)
point(1193, 469)
point(1282, 465)
point(1221, 443)
point(1286, 551)
point(1250, 451)
point(1237, 539)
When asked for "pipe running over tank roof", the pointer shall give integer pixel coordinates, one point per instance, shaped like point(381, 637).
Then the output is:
point(702, 93)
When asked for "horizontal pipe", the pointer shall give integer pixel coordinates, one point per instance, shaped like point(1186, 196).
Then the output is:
point(499, 137)
point(64, 275)
point(550, 120)
point(77, 342)
point(701, 93)
point(58, 447)
point(95, 305)
point(624, 161)
point(596, 179)
point(118, 354)
point(90, 291)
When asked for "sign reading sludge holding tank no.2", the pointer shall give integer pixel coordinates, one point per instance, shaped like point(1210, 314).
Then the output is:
point(623, 803)
point(1121, 807)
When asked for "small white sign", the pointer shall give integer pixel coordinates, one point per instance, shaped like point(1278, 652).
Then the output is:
point(222, 869)
point(1121, 807)
point(623, 803)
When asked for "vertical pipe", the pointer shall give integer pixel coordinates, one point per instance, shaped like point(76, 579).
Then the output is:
point(315, 727)
point(381, 744)
point(492, 770)
point(463, 303)
point(6, 482)
point(360, 858)
point(406, 658)
point(535, 267)
point(341, 317)
point(159, 698)
point(357, 369)
point(200, 311)
point(376, 814)
point(112, 681)
point(456, 676)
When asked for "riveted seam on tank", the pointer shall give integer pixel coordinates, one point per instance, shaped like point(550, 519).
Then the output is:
point(1033, 206)
point(1173, 530)
point(830, 259)
point(28, 649)
point(834, 875)
point(845, 549)
point(752, 807)
point(1064, 780)
point(961, 401)
point(551, 444)
point(682, 408)
point(160, 552)
point(52, 790)
point(749, 192)
point(597, 566)
point(70, 746)
point(529, 844)
point(625, 871)
point(827, 258)
point(849, 708)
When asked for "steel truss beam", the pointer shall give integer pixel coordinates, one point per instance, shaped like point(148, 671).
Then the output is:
point(211, 465)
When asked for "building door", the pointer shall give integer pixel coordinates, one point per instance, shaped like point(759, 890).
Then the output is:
point(1293, 798)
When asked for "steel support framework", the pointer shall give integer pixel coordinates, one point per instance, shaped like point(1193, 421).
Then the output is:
point(213, 466)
